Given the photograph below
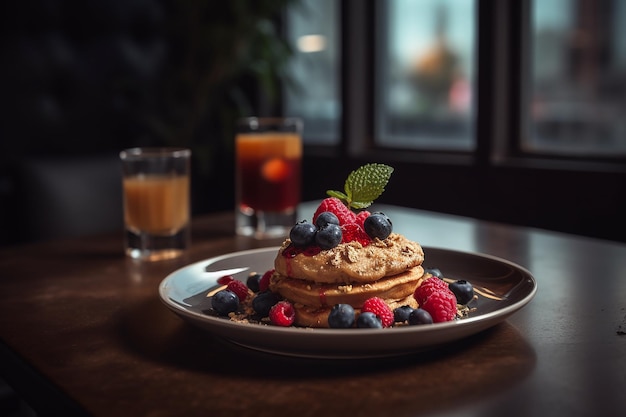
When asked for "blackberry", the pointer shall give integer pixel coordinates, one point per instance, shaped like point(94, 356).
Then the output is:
point(302, 234)
point(328, 236)
point(401, 314)
point(341, 316)
point(263, 303)
point(224, 302)
point(368, 320)
point(463, 291)
point(420, 316)
point(326, 217)
point(253, 281)
point(378, 225)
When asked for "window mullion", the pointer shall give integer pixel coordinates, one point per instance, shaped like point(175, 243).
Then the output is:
point(356, 76)
point(498, 71)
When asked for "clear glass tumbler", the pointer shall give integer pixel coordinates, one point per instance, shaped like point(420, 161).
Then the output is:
point(156, 183)
point(268, 175)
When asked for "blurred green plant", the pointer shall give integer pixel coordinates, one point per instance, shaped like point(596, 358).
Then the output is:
point(225, 55)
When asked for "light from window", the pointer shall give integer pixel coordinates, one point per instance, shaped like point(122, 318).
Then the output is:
point(578, 76)
point(425, 74)
point(312, 30)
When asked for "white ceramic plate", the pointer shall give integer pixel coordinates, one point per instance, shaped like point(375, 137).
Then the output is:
point(184, 292)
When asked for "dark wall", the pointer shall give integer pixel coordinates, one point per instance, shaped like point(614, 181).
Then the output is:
point(82, 79)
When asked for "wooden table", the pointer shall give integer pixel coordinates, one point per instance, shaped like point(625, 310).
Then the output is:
point(83, 332)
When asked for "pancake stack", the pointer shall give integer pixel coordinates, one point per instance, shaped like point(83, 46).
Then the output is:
point(349, 273)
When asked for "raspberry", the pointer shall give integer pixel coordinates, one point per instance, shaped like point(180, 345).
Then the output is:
point(441, 305)
point(225, 280)
point(351, 232)
point(428, 287)
point(282, 314)
point(360, 218)
point(265, 280)
point(334, 205)
point(238, 288)
point(378, 306)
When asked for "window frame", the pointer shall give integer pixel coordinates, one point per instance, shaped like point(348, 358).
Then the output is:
point(496, 181)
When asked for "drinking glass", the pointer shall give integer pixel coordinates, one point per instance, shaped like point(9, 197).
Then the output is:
point(268, 160)
point(156, 183)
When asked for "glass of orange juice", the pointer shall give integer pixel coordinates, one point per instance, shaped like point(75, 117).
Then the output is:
point(269, 155)
point(156, 183)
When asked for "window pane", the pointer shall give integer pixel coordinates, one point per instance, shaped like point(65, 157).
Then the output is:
point(578, 75)
point(426, 74)
point(312, 29)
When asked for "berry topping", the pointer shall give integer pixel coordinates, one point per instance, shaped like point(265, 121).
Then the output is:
point(434, 272)
point(441, 305)
point(253, 281)
point(224, 302)
point(282, 314)
point(378, 225)
point(263, 302)
point(463, 291)
point(341, 316)
point(420, 316)
point(378, 306)
point(239, 288)
point(335, 206)
point(368, 320)
point(302, 234)
point(225, 279)
point(360, 218)
point(264, 283)
point(428, 287)
point(401, 314)
point(328, 236)
point(353, 232)
point(326, 217)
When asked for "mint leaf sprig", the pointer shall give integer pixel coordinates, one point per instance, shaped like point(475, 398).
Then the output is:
point(364, 185)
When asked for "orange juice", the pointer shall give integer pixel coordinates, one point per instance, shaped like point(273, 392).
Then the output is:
point(268, 170)
point(156, 204)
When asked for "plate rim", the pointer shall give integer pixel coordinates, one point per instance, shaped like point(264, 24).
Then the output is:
point(489, 319)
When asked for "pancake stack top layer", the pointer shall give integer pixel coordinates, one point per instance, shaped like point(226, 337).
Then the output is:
point(352, 262)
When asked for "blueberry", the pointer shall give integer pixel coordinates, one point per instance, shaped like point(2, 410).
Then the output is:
point(326, 217)
point(401, 314)
point(224, 302)
point(341, 316)
point(378, 225)
point(263, 302)
point(434, 272)
point(420, 316)
point(328, 236)
point(463, 291)
point(368, 320)
point(253, 282)
point(302, 234)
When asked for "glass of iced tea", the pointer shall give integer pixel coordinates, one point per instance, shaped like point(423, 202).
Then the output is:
point(269, 154)
point(156, 183)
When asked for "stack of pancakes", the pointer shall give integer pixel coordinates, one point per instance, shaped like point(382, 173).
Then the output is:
point(348, 274)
